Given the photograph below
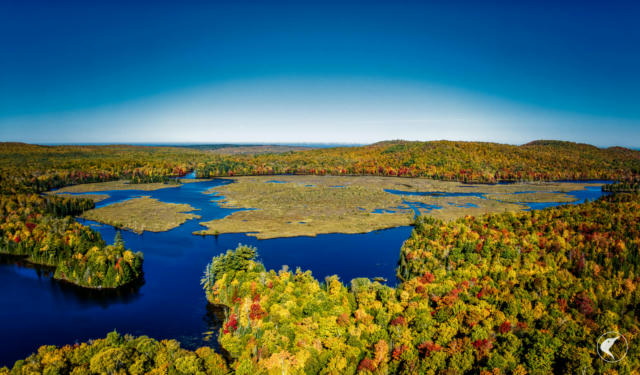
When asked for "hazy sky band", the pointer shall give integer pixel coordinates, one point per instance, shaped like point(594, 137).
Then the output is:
point(319, 71)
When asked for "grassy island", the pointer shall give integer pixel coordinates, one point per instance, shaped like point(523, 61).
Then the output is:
point(536, 197)
point(285, 206)
point(116, 185)
point(305, 207)
point(94, 197)
point(142, 214)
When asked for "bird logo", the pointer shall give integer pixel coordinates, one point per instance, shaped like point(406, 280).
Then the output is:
point(607, 344)
point(607, 348)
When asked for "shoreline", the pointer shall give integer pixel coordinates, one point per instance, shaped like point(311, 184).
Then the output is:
point(52, 268)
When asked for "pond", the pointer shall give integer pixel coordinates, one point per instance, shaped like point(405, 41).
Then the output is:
point(38, 310)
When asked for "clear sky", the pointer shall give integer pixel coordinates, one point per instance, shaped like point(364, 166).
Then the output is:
point(325, 71)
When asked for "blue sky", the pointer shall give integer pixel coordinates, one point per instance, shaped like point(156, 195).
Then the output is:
point(326, 71)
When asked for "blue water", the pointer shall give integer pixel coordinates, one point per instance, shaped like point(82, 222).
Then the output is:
point(589, 193)
point(382, 211)
point(434, 193)
point(37, 310)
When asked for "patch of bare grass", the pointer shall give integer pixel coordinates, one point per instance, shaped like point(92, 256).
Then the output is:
point(142, 214)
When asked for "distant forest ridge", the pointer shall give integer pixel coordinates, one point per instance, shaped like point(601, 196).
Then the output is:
point(445, 160)
point(27, 167)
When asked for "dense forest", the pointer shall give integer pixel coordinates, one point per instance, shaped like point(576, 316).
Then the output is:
point(34, 168)
point(631, 185)
point(444, 160)
point(41, 229)
point(117, 354)
point(500, 294)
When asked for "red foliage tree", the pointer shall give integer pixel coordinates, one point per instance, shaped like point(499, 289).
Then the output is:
point(426, 348)
point(231, 325)
point(366, 364)
point(256, 311)
point(505, 327)
point(427, 278)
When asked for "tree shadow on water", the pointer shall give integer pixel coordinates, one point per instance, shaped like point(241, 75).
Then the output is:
point(67, 291)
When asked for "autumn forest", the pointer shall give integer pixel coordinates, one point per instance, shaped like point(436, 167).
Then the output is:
point(523, 292)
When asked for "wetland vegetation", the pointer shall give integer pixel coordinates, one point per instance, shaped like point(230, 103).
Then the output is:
point(142, 214)
point(305, 207)
point(115, 185)
point(532, 197)
point(285, 206)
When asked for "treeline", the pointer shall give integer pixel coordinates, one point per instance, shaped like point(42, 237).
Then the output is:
point(33, 168)
point(28, 168)
point(443, 160)
point(625, 186)
point(117, 354)
point(41, 229)
point(525, 293)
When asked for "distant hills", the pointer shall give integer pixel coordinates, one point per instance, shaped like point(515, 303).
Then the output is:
point(483, 162)
point(447, 160)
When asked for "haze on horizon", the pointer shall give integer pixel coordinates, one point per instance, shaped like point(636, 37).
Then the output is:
point(319, 71)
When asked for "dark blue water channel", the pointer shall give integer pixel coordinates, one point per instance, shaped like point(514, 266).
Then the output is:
point(37, 310)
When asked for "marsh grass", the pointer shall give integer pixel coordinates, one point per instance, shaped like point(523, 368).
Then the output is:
point(114, 185)
point(94, 197)
point(142, 214)
point(297, 209)
point(310, 205)
point(534, 197)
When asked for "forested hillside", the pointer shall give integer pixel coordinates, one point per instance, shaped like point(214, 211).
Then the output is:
point(462, 161)
point(34, 168)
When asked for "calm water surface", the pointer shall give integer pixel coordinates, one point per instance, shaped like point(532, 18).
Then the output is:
point(37, 310)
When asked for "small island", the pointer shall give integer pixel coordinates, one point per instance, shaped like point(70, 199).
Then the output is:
point(142, 214)
point(116, 185)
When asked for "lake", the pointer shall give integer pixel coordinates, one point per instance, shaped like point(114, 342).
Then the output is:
point(38, 310)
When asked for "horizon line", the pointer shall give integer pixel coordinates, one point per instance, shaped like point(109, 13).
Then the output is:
point(293, 144)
